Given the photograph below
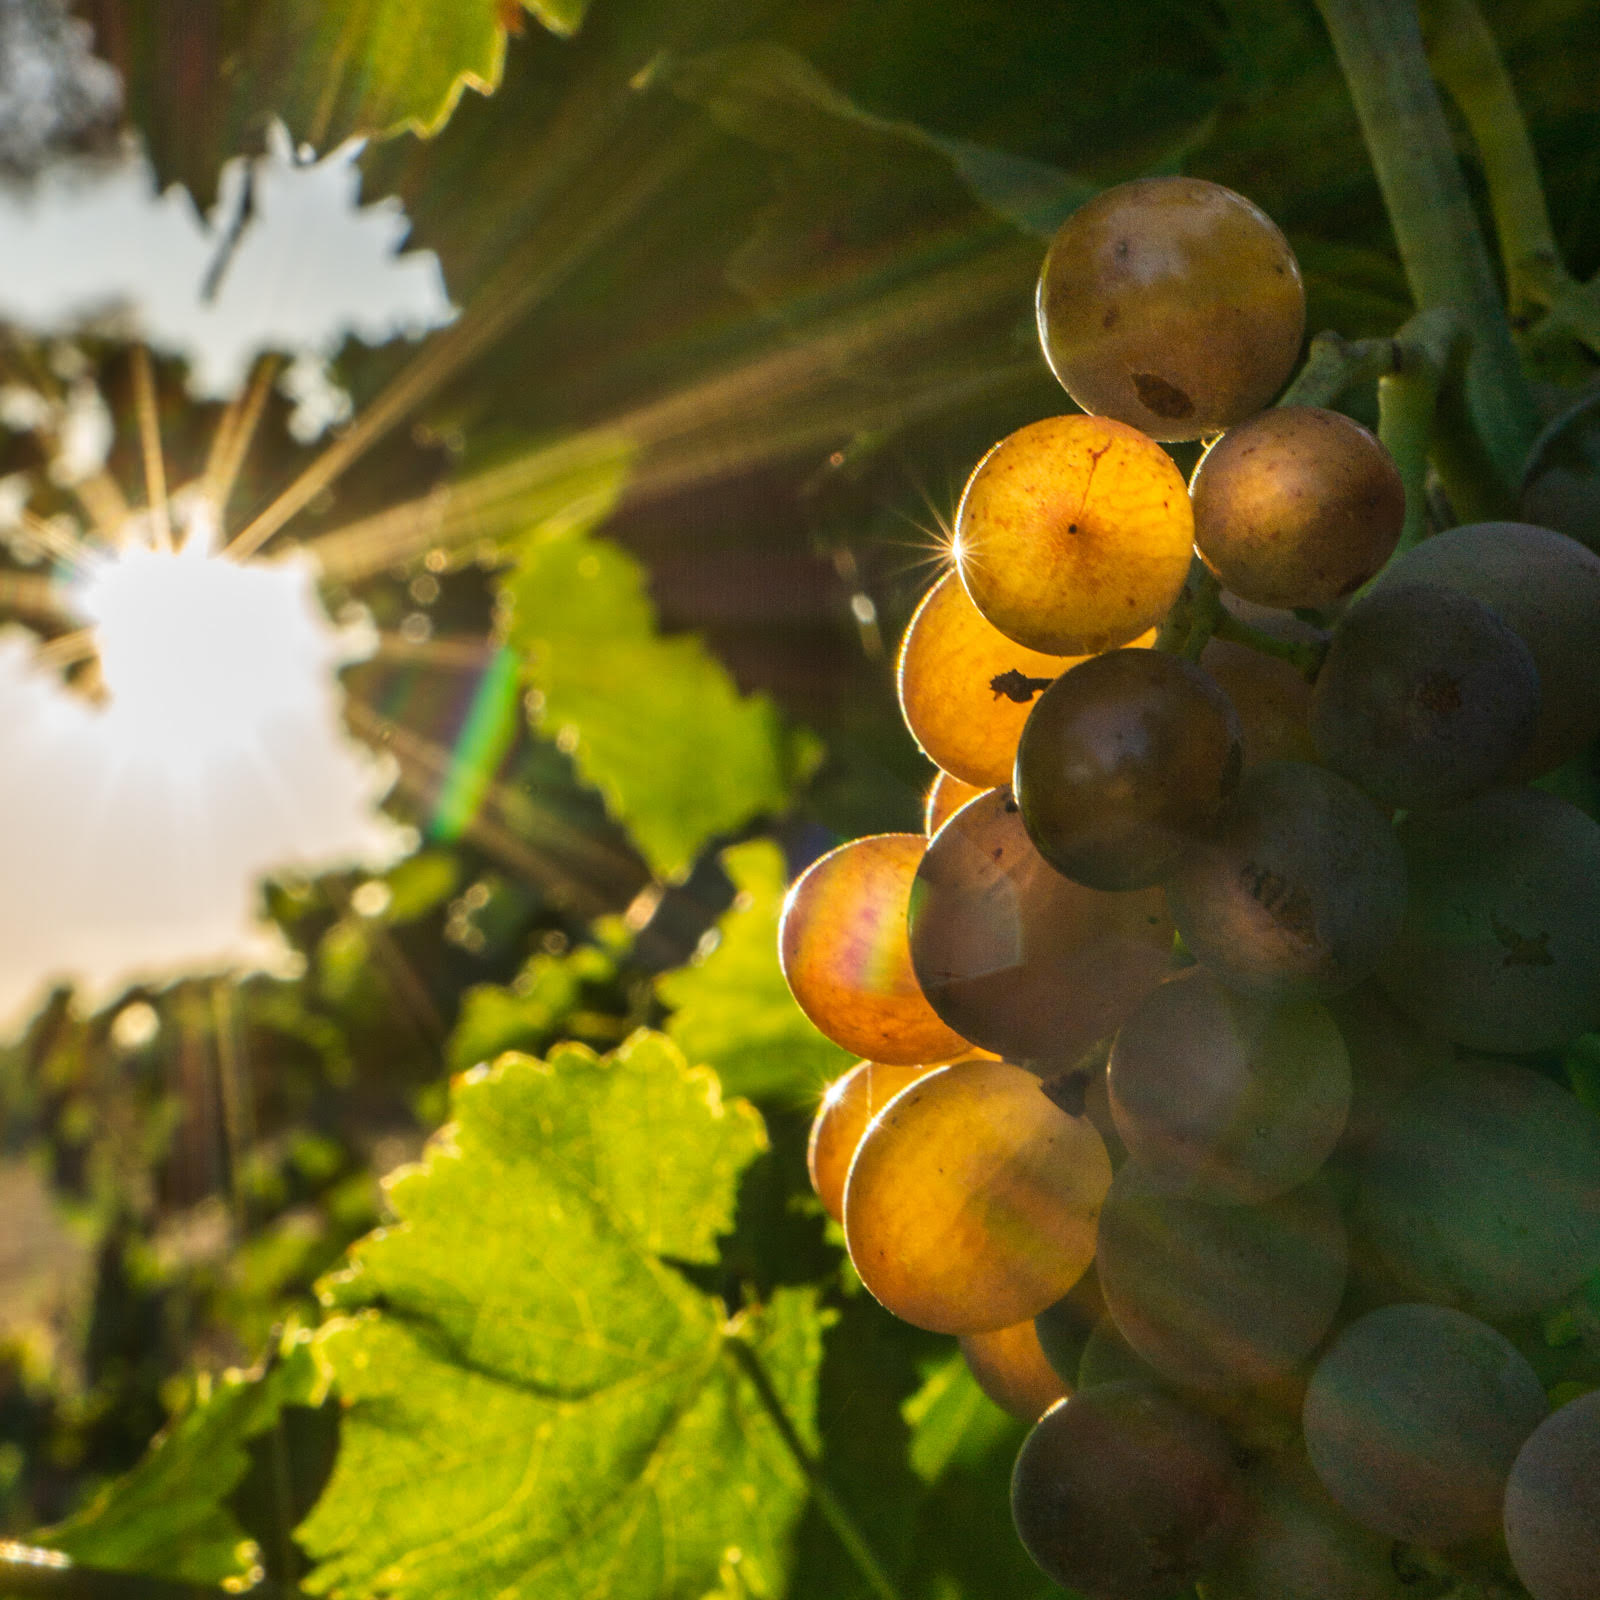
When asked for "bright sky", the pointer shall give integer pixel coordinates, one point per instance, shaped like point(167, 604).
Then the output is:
point(134, 833)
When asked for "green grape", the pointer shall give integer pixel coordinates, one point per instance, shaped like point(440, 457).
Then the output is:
point(1296, 1544)
point(1296, 507)
point(1500, 944)
point(1172, 304)
point(949, 661)
point(972, 1200)
point(1018, 958)
point(1010, 1366)
point(1224, 1096)
point(1552, 1511)
point(1300, 890)
point(1123, 1493)
point(1546, 588)
point(1221, 1297)
point(1073, 535)
point(1124, 760)
point(1425, 697)
point(1482, 1189)
point(1413, 1418)
point(842, 947)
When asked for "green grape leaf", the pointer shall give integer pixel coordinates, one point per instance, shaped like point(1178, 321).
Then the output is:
point(538, 1401)
point(198, 85)
point(524, 1016)
point(774, 97)
point(168, 1518)
point(655, 723)
point(731, 1007)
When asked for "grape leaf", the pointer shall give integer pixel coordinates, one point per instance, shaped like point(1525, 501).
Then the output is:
point(775, 97)
point(201, 80)
point(167, 1517)
point(524, 1016)
point(538, 1402)
point(654, 723)
point(731, 1007)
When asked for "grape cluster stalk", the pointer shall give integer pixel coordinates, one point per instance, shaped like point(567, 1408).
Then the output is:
point(1211, 1092)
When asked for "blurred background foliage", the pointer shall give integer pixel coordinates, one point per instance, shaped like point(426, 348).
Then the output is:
point(746, 291)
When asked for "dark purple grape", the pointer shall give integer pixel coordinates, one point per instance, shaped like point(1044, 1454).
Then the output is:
point(1413, 1418)
point(1123, 761)
point(1299, 891)
point(1426, 696)
point(1500, 945)
point(1552, 1515)
point(1221, 1297)
point(1482, 1189)
point(1227, 1097)
point(1038, 967)
point(1122, 1493)
point(1546, 588)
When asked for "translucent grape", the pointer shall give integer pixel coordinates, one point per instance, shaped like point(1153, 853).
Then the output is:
point(1425, 697)
point(1413, 1418)
point(1546, 588)
point(1123, 1493)
point(1012, 1369)
point(1482, 1189)
point(1173, 304)
point(1021, 960)
point(1296, 507)
point(972, 1201)
point(946, 796)
point(1296, 1544)
point(849, 1105)
point(1300, 890)
point(1500, 944)
point(1124, 760)
point(1221, 1297)
point(842, 946)
point(1073, 535)
point(1552, 1511)
point(1228, 1097)
point(949, 660)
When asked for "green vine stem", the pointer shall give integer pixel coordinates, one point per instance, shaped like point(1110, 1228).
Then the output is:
point(1467, 62)
point(1408, 404)
point(1379, 46)
point(27, 1570)
point(835, 1513)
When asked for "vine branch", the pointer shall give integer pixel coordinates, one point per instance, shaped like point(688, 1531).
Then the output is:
point(1380, 51)
point(835, 1513)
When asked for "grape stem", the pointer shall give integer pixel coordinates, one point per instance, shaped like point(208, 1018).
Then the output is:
point(834, 1511)
point(27, 1570)
point(1380, 50)
point(1304, 655)
point(1427, 348)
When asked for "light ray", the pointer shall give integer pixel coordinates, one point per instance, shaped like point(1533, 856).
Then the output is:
point(236, 431)
point(155, 472)
point(528, 278)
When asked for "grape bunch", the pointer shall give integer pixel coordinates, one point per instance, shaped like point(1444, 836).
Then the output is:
point(1211, 1089)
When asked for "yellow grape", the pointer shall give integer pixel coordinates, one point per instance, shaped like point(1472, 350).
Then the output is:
point(1074, 535)
point(843, 948)
point(849, 1105)
point(1013, 1370)
point(973, 1199)
point(946, 796)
